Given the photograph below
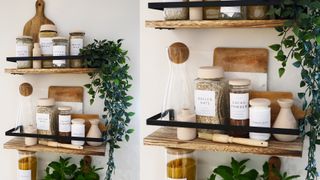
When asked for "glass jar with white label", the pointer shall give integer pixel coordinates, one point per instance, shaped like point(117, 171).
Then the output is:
point(76, 43)
point(46, 117)
point(64, 120)
point(181, 164)
point(78, 130)
point(239, 105)
point(60, 48)
point(27, 166)
point(233, 12)
point(24, 45)
point(260, 116)
point(47, 32)
point(211, 97)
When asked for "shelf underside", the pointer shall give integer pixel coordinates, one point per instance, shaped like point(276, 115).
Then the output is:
point(50, 71)
point(18, 144)
point(204, 24)
point(167, 137)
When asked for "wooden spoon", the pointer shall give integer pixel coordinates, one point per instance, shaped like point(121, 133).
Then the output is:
point(178, 53)
point(274, 162)
point(32, 27)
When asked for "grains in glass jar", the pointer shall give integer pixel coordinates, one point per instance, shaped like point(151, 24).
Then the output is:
point(24, 45)
point(257, 12)
point(27, 166)
point(60, 48)
point(76, 43)
point(46, 117)
point(64, 123)
point(176, 13)
point(210, 13)
point(47, 32)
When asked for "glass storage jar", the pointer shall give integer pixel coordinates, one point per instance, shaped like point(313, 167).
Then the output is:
point(47, 32)
point(210, 13)
point(233, 12)
point(78, 130)
point(27, 166)
point(24, 45)
point(260, 116)
point(176, 13)
point(257, 12)
point(64, 123)
point(239, 105)
point(76, 43)
point(60, 48)
point(181, 164)
point(211, 96)
point(46, 117)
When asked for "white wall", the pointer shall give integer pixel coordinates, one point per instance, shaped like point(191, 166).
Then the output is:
point(100, 19)
point(154, 70)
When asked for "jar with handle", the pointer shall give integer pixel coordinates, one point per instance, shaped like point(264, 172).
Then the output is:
point(285, 120)
point(94, 132)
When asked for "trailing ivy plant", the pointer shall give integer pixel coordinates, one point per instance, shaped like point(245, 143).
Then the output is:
point(111, 83)
point(301, 43)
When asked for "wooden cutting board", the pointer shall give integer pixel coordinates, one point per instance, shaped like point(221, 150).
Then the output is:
point(32, 27)
point(249, 63)
point(68, 96)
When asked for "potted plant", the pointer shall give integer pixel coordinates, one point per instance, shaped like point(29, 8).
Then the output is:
point(111, 83)
point(301, 38)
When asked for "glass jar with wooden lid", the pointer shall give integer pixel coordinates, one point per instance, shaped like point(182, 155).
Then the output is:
point(64, 120)
point(46, 117)
point(60, 48)
point(76, 43)
point(211, 13)
point(24, 45)
point(47, 32)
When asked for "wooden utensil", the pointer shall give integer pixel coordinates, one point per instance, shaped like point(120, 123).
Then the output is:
point(274, 163)
point(25, 89)
point(178, 53)
point(56, 144)
point(222, 138)
point(32, 27)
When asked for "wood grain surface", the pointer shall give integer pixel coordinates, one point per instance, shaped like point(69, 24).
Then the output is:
point(50, 71)
point(66, 93)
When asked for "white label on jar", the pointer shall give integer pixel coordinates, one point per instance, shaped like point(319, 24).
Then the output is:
point(77, 130)
point(260, 117)
point(75, 46)
point(24, 174)
point(22, 51)
point(239, 103)
point(177, 179)
point(43, 121)
point(205, 103)
point(46, 46)
point(59, 50)
point(232, 9)
point(64, 123)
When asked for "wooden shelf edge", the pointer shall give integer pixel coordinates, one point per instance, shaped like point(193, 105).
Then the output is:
point(18, 144)
point(188, 24)
point(50, 71)
point(166, 137)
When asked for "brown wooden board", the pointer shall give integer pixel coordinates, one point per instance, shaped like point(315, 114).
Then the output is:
point(18, 144)
point(167, 137)
point(50, 71)
point(66, 93)
point(242, 59)
point(32, 27)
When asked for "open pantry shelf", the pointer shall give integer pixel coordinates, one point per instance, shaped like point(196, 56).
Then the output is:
point(18, 144)
point(167, 137)
point(205, 24)
point(50, 71)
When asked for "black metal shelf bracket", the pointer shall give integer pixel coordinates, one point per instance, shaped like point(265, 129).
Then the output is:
point(156, 120)
point(162, 5)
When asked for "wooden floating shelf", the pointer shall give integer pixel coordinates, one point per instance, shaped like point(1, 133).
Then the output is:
point(205, 24)
point(51, 71)
point(167, 137)
point(18, 144)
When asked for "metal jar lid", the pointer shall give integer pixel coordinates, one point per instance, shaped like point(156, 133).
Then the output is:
point(46, 102)
point(210, 72)
point(260, 102)
point(239, 82)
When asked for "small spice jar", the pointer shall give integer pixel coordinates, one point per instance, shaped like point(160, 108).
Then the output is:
point(239, 104)
point(27, 165)
point(47, 32)
point(176, 13)
point(60, 48)
point(36, 64)
point(181, 164)
point(64, 123)
point(76, 43)
point(257, 12)
point(46, 117)
point(260, 116)
point(211, 96)
point(210, 13)
point(78, 130)
point(24, 45)
point(233, 12)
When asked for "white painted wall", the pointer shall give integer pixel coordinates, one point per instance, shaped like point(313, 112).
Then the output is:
point(100, 19)
point(154, 70)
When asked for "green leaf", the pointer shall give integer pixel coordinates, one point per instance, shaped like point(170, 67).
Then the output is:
point(296, 64)
point(224, 171)
point(275, 47)
point(127, 137)
point(301, 95)
point(318, 39)
point(281, 71)
point(130, 131)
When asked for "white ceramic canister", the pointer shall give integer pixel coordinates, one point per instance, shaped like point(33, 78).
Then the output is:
point(94, 132)
point(260, 116)
point(78, 130)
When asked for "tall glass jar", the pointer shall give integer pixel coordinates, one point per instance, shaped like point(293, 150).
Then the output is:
point(233, 12)
point(27, 166)
point(210, 13)
point(46, 117)
point(24, 45)
point(76, 43)
point(239, 105)
point(60, 48)
point(211, 96)
point(47, 32)
point(257, 12)
point(181, 164)
point(64, 123)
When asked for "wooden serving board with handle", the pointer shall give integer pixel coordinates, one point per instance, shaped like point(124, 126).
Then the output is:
point(248, 63)
point(32, 27)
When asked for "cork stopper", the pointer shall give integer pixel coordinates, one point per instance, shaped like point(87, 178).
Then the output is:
point(25, 89)
point(178, 53)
